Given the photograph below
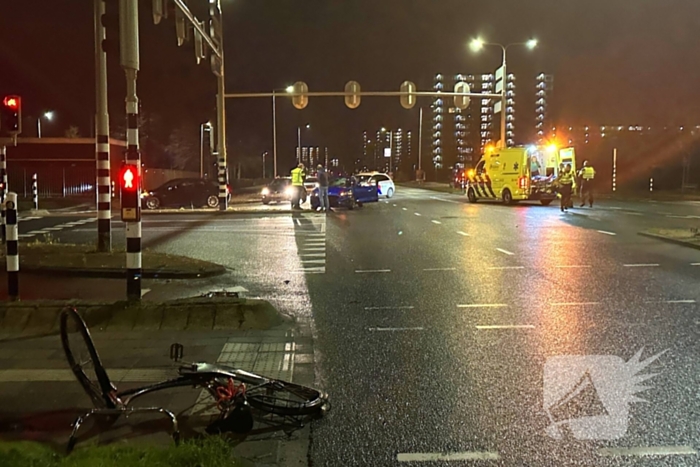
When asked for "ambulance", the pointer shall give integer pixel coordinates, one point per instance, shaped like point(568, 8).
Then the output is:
point(518, 174)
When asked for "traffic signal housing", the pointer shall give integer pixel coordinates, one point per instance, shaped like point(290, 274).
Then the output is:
point(11, 115)
point(130, 187)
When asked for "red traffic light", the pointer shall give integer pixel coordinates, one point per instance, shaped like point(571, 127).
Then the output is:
point(12, 102)
point(129, 178)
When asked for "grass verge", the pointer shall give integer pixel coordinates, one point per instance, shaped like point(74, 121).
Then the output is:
point(36, 255)
point(208, 452)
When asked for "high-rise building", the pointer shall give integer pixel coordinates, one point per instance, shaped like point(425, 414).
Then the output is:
point(460, 136)
point(543, 115)
point(375, 150)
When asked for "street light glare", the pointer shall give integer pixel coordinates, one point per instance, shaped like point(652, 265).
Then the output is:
point(308, 125)
point(531, 44)
point(476, 44)
point(290, 89)
point(48, 115)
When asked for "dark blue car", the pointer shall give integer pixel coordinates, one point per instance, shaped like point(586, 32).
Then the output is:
point(342, 192)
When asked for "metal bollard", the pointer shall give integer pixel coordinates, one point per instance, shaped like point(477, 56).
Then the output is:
point(3, 189)
point(12, 247)
point(35, 192)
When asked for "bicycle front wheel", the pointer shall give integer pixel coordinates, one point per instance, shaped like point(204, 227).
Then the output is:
point(288, 399)
point(83, 359)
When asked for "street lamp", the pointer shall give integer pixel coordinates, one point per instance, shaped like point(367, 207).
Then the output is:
point(48, 116)
point(476, 45)
point(307, 126)
point(208, 127)
point(288, 90)
point(263, 158)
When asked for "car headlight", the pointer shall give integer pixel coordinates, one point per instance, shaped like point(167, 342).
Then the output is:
point(265, 191)
point(289, 191)
point(345, 193)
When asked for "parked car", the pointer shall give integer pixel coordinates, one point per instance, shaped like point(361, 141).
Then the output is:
point(184, 192)
point(279, 190)
point(384, 183)
point(343, 193)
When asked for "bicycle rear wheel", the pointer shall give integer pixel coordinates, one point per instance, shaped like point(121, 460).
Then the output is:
point(83, 359)
point(288, 399)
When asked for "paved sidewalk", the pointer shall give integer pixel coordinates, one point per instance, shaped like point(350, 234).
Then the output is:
point(40, 397)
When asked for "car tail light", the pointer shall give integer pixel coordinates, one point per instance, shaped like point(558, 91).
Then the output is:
point(228, 189)
point(522, 183)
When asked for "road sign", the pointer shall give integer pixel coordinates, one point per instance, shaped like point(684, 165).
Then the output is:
point(387, 152)
point(498, 76)
point(300, 100)
point(352, 100)
point(408, 98)
point(462, 102)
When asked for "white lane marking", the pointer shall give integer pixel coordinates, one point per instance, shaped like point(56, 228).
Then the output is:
point(394, 329)
point(483, 305)
point(298, 222)
point(574, 303)
point(63, 226)
point(464, 234)
point(606, 232)
point(311, 249)
point(644, 265)
point(648, 451)
point(695, 264)
point(445, 200)
point(30, 218)
point(36, 232)
point(572, 266)
point(312, 270)
point(52, 228)
point(633, 213)
point(440, 269)
point(506, 326)
point(506, 267)
point(144, 292)
point(436, 222)
point(236, 289)
point(447, 456)
point(27, 235)
point(613, 207)
point(417, 214)
point(509, 253)
point(408, 307)
point(323, 235)
point(313, 255)
point(72, 224)
point(405, 209)
point(394, 205)
point(680, 301)
point(313, 261)
point(363, 271)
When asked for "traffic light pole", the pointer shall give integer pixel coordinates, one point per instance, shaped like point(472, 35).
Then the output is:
point(104, 207)
point(129, 46)
point(3, 189)
point(215, 11)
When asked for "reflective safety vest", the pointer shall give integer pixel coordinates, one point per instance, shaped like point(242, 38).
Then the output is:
point(297, 177)
point(566, 178)
point(587, 173)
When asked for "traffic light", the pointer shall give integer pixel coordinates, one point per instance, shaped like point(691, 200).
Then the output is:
point(110, 21)
point(12, 115)
point(130, 186)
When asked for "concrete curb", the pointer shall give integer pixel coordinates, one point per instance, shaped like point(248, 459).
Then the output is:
point(675, 241)
point(218, 213)
point(118, 273)
point(41, 317)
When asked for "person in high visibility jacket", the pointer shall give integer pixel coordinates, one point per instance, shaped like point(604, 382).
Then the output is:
point(566, 183)
point(586, 175)
point(298, 176)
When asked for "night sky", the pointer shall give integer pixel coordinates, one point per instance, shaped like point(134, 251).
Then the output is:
point(614, 62)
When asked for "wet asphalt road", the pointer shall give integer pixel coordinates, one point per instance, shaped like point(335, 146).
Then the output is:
point(442, 327)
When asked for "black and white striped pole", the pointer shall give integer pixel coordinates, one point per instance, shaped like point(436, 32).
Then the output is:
point(3, 188)
point(104, 190)
point(12, 247)
point(35, 192)
point(131, 174)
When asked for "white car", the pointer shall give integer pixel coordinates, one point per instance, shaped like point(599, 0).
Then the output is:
point(384, 183)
